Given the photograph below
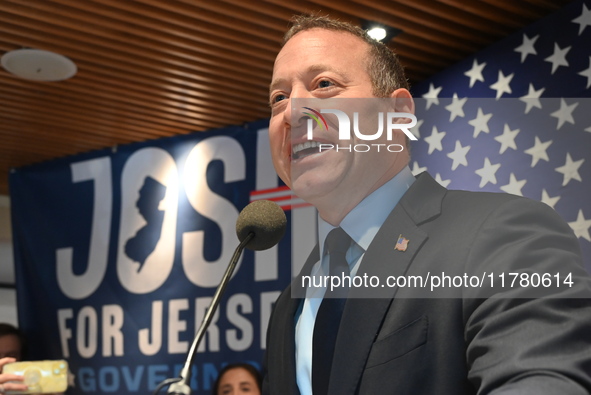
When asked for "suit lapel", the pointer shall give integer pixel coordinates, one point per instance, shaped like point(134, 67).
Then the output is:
point(282, 369)
point(363, 317)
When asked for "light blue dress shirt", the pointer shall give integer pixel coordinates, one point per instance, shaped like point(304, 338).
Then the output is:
point(361, 224)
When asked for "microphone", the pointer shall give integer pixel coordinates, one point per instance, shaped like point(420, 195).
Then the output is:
point(260, 226)
point(266, 220)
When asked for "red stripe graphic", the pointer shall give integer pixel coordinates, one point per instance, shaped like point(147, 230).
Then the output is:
point(283, 196)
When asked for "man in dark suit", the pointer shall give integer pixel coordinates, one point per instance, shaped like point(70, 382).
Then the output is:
point(464, 338)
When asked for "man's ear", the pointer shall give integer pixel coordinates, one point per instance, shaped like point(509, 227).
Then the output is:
point(403, 101)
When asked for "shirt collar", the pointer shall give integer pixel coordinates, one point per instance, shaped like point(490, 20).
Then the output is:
point(363, 222)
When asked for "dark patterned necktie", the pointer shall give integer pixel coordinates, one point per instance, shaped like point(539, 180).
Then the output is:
point(330, 311)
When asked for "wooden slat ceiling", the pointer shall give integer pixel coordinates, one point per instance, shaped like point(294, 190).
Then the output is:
point(155, 68)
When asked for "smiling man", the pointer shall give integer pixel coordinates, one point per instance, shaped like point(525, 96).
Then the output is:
point(377, 222)
point(320, 64)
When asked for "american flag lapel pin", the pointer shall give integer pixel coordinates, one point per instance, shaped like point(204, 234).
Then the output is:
point(401, 244)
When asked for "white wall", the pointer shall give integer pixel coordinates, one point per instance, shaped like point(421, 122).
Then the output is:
point(7, 295)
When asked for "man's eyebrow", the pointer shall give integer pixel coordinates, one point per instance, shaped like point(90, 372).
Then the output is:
point(276, 83)
point(313, 69)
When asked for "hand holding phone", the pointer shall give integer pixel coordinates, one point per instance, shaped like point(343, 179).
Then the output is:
point(10, 382)
point(40, 377)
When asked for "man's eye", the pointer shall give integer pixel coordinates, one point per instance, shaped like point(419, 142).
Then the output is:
point(278, 98)
point(325, 84)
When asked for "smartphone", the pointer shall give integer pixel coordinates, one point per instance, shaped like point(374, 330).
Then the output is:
point(42, 377)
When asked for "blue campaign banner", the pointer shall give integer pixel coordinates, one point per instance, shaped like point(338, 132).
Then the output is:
point(118, 253)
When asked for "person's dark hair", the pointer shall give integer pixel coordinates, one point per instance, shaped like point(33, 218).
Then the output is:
point(256, 375)
point(8, 329)
point(384, 68)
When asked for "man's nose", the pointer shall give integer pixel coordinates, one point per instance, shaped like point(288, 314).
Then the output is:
point(297, 118)
point(294, 112)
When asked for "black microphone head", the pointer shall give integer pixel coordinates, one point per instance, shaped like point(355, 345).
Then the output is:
point(266, 220)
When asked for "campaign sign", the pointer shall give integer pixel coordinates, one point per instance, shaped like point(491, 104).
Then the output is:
point(118, 253)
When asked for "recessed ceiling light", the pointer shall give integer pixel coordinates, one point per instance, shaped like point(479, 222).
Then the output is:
point(377, 33)
point(38, 65)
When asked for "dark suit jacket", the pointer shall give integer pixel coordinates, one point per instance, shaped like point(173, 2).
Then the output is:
point(470, 343)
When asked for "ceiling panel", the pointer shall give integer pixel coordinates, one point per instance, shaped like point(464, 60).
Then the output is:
point(156, 68)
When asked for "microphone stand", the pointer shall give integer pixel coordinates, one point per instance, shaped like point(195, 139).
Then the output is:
point(181, 386)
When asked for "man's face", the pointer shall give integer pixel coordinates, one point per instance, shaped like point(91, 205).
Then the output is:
point(323, 64)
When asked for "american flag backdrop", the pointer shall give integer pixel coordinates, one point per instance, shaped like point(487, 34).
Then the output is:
point(516, 118)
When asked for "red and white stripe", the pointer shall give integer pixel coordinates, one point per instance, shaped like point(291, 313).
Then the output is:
point(283, 196)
